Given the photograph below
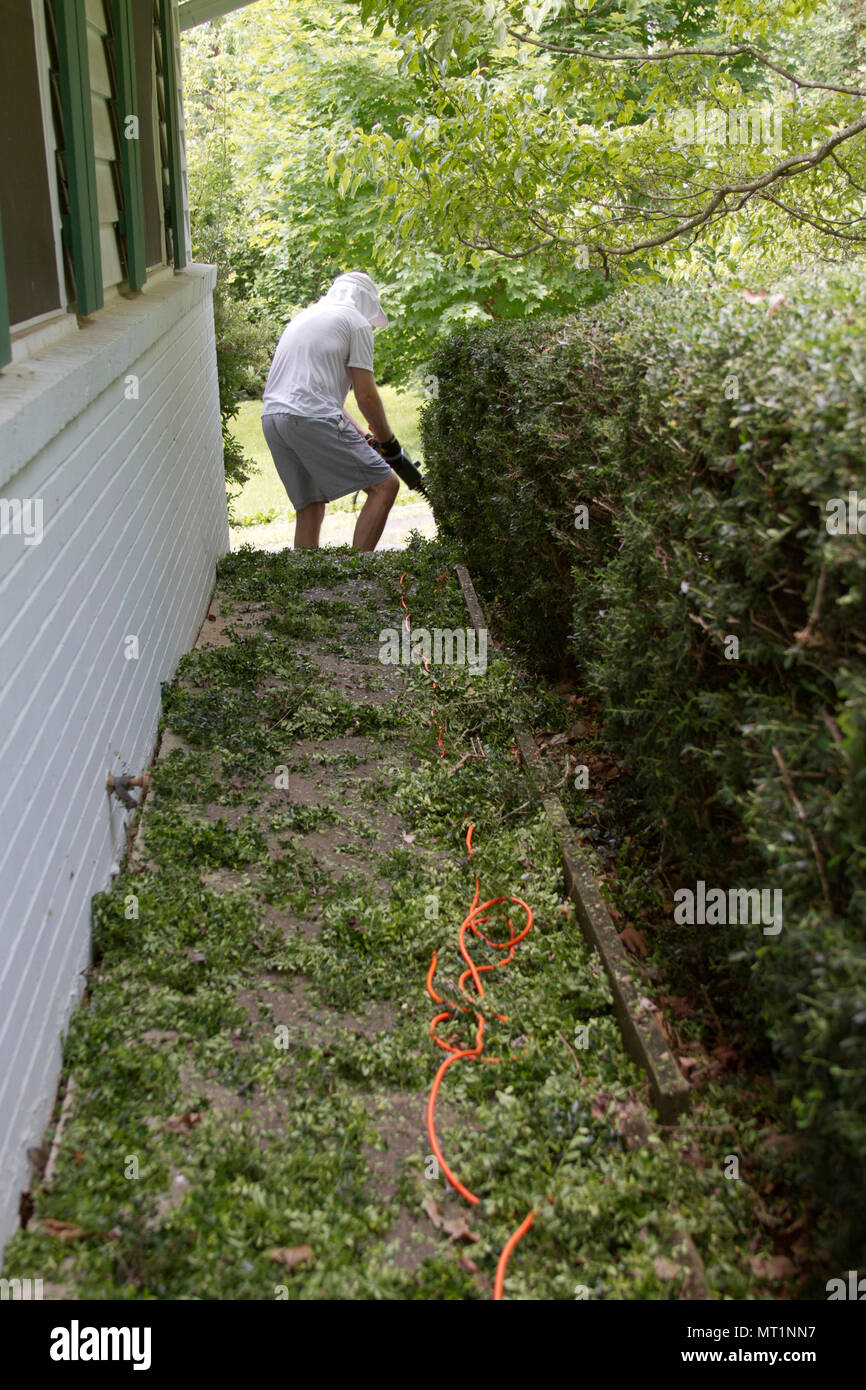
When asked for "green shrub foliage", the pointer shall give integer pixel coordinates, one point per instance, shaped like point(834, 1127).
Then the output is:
point(705, 433)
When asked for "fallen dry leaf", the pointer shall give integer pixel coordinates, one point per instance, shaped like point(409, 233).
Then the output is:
point(628, 1118)
point(678, 1004)
point(727, 1056)
point(434, 1211)
point(61, 1230)
point(457, 1227)
point(182, 1124)
point(776, 1267)
point(557, 740)
point(665, 1268)
point(786, 1145)
point(291, 1255)
point(155, 1036)
point(599, 1104)
point(468, 1264)
point(634, 941)
point(667, 1028)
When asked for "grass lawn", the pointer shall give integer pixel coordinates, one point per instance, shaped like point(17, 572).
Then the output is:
point(264, 496)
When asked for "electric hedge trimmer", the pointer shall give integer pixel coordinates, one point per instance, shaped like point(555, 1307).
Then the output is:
point(396, 457)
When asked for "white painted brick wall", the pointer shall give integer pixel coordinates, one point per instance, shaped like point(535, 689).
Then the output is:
point(134, 520)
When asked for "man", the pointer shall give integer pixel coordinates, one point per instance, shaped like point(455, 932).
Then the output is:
point(320, 452)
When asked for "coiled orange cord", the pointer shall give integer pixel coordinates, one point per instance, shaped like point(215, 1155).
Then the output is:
point(477, 913)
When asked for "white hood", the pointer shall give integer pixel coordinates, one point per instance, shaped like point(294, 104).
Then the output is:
point(359, 290)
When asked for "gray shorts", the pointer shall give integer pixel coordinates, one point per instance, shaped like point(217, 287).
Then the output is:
point(321, 460)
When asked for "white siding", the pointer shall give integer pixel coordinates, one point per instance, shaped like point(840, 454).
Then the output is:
point(134, 520)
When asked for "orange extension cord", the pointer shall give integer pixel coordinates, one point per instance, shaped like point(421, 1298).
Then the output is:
point(477, 913)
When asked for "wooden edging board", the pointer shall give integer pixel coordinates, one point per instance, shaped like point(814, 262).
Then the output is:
point(644, 1039)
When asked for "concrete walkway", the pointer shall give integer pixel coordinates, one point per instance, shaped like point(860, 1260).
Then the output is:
point(247, 1081)
point(338, 528)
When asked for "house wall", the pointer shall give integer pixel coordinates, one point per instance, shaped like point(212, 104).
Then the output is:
point(133, 519)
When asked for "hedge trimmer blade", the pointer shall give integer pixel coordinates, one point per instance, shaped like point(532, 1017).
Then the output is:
point(408, 473)
point(403, 466)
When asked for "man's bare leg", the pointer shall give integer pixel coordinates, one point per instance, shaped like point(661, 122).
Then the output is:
point(374, 513)
point(308, 524)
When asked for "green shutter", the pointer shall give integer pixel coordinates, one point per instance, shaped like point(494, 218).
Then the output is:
point(172, 131)
point(132, 217)
point(5, 344)
point(82, 226)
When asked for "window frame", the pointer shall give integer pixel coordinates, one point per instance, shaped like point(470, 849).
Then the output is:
point(49, 136)
point(81, 228)
point(5, 338)
point(132, 226)
point(177, 216)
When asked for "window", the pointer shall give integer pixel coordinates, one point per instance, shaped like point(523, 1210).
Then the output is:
point(92, 175)
point(32, 281)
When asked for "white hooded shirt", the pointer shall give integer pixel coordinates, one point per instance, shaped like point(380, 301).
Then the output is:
point(309, 375)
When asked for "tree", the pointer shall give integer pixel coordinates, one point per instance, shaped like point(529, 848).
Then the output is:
point(625, 132)
point(275, 93)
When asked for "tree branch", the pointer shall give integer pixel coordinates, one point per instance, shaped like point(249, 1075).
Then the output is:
point(820, 224)
point(717, 206)
point(667, 54)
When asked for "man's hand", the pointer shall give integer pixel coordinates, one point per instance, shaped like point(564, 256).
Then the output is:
point(391, 449)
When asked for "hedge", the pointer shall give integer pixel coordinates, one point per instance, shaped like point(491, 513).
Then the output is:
point(705, 433)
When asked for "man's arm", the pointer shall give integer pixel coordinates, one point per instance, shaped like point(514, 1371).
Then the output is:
point(370, 404)
point(352, 421)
